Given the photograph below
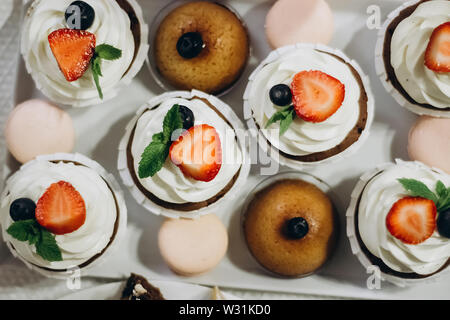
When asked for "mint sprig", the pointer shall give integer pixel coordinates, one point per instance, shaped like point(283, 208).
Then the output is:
point(418, 189)
point(35, 234)
point(286, 115)
point(106, 52)
point(156, 153)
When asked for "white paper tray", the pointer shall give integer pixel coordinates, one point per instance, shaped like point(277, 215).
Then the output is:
point(99, 130)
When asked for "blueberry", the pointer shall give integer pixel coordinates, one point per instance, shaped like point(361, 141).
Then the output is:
point(22, 209)
point(86, 15)
point(297, 228)
point(281, 95)
point(190, 45)
point(188, 117)
point(443, 223)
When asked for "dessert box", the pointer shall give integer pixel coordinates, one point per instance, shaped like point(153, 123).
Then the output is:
point(100, 129)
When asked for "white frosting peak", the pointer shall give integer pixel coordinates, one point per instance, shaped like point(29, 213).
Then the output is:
point(170, 184)
point(101, 211)
point(111, 26)
point(378, 197)
point(408, 46)
point(302, 137)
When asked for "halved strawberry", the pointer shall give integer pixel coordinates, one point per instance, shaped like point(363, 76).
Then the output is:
point(61, 209)
point(412, 219)
point(198, 153)
point(316, 95)
point(73, 50)
point(437, 55)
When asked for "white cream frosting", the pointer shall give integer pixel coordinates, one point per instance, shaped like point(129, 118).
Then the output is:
point(303, 138)
point(170, 184)
point(408, 46)
point(101, 212)
point(111, 26)
point(379, 196)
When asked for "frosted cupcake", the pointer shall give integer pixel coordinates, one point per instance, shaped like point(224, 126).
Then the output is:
point(399, 220)
point(411, 56)
point(81, 53)
point(62, 212)
point(310, 103)
point(182, 154)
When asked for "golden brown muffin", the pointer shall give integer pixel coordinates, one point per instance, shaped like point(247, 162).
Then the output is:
point(269, 236)
point(220, 62)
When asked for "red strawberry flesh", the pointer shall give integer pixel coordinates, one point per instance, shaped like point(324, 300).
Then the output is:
point(412, 219)
point(316, 95)
point(437, 54)
point(61, 209)
point(198, 153)
point(73, 51)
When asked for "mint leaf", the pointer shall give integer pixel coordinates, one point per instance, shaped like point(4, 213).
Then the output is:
point(286, 122)
point(156, 153)
point(24, 230)
point(35, 234)
point(96, 75)
point(47, 247)
point(441, 190)
point(107, 52)
point(153, 157)
point(418, 189)
point(285, 116)
point(444, 195)
point(172, 122)
point(96, 66)
point(103, 51)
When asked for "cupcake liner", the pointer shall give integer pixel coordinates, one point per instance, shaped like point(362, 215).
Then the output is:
point(141, 57)
point(266, 182)
point(151, 64)
point(351, 231)
point(121, 227)
point(384, 78)
point(156, 209)
point(272, 151)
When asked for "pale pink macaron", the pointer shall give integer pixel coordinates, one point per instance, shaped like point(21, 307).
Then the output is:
point(292, 21)
point(192, 247)
point(429, 142)
point(36, 127)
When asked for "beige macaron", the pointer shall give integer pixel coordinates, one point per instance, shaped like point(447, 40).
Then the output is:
point(192, 247)
point(36, 127)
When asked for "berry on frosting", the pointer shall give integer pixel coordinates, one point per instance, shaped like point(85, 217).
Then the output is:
point(73, 51)
point(412, 219)
point(316, 95)
point(61, 209)
point(280, 95)
point(187, 116)
point(437, 54)
point(22, 209)
point(443, 223)
point(198, 153)
point(79, 15)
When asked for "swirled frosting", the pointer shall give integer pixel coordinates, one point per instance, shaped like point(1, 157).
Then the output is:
point(379, 196)
point(111, 26)
point(408, 45)
point(302, 137)
point(170, 184)
point(101, 212)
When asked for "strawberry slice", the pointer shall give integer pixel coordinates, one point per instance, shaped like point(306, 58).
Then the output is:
point(412, 219)
point(437, 55)
point(61, 209)
point(198, 153)
point(73, 50)
point(316, 95)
